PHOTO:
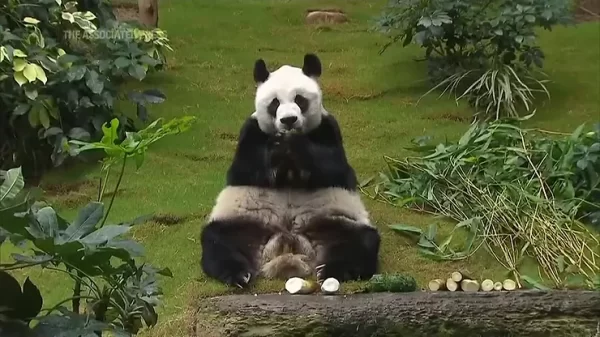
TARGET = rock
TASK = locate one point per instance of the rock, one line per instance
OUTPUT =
(325, 16)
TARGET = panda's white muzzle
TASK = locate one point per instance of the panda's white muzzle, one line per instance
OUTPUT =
(289, 117)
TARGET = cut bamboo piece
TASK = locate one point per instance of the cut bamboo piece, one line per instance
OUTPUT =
(487, 285)
(460, 275)
(451, 285)
(456, 276)
(330, 286)
(469, 285)
(509, 284)
(296, 285)
(437, 284)
(498, 286)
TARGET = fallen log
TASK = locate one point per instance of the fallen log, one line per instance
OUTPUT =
(417, 314)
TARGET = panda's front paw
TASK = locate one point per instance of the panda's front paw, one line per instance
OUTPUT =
(341, 270)
(278, 150)
(299, 148)
(232, 272)
(240, 279)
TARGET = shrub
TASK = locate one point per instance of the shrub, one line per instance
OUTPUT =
(117, 292)
(518, 192)
(60, 67)
(484, 51)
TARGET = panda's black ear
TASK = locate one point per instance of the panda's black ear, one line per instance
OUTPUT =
(261, 73)
(312, 65)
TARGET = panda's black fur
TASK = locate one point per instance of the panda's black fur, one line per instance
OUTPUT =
(291, 205)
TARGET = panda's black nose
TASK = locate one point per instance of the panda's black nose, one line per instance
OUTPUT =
(289, 121)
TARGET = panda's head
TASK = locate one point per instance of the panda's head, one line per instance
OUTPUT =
(288, 99)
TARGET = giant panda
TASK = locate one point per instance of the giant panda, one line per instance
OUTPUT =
(290, 207)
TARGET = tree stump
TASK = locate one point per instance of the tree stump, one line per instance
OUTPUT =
(418, 314)
(148, 12)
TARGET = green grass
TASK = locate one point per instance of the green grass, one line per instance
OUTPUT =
(373, 96)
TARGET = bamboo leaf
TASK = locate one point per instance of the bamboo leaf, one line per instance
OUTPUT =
(12, 184)
(406, 229)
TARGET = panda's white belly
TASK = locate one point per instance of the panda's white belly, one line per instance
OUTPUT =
(291, 209)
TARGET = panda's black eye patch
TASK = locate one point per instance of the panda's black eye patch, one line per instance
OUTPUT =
(272, 108)
(302, 103)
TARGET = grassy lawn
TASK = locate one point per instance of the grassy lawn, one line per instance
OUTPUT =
(373, 96)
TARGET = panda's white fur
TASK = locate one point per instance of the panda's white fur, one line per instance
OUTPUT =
(287, 212)
(284, 84)
(294, 207)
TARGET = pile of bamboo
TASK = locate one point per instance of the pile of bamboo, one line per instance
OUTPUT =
(459, 281)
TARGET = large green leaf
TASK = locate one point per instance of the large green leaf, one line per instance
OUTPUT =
(69, 324)
(85, 222)
(149, 314)
(111, 133)
(3, 235)
(32, 259)
(137, 71)
(19, 304)
(12, 184)
(48, 222)
(94, 82)
(11, 291)
(133, 248)
(12, 223)
(31, 301)
(104, 234)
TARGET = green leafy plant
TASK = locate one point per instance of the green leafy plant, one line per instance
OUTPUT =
(483, 51)
(498, 91)
(61, 64)
(520, 193)
(118, 293)
(428, 240)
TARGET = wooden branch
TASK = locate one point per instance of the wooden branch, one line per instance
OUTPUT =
(417, 314)
(589, 11)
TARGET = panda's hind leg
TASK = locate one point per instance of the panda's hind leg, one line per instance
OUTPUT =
(287, 255)
(230, 250)
(346, 249)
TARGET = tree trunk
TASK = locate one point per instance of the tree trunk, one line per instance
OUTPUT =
(148, 12)
(418, 314)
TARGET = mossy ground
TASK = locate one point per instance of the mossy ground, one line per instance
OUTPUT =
(376, 98)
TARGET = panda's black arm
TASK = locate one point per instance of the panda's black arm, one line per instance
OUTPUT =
(322, 154)
(328, 167)
(249, 166)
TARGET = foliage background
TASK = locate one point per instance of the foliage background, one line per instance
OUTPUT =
(61, 64)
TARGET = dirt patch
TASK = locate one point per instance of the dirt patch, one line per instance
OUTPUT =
(73, 200)
(228, 136)
(587, 10)
(203, 158)
(75, 194)
(66, 188)
(169, 219)
(341, 89)
(449, 117)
